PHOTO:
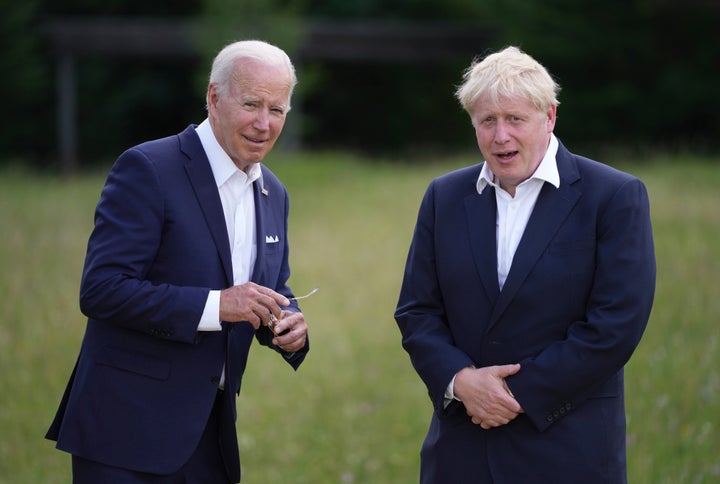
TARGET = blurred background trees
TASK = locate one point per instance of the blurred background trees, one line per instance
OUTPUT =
(638, 74)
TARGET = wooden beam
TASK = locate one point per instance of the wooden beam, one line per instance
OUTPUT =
(323, 41)
(113, 36)
(387, 41)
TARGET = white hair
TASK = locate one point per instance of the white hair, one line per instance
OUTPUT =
(508, 74)
(224, 63)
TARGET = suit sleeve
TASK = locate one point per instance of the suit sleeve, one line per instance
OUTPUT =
(595, 349)
(420, 312)
(123, 247)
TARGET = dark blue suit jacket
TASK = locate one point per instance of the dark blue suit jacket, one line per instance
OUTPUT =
(146, 379)
(573, 309)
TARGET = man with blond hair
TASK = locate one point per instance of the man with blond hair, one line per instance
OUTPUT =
(187, 263)
(528, 285)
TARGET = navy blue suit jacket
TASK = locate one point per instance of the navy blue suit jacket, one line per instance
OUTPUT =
(146, 379)
(572, 310)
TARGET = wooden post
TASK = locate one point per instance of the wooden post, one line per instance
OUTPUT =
(66, 93)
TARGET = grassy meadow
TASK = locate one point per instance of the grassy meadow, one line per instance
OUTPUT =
(356, 412)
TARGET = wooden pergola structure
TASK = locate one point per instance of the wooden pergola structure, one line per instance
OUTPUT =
(347, 41)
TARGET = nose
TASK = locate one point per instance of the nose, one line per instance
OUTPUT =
(262, 120)
(501, 133)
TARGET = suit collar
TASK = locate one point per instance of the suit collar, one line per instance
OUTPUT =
(546, 171)
(222, 166)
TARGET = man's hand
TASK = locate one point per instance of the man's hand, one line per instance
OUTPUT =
(486, 396)
(252, 303)
(291, 331)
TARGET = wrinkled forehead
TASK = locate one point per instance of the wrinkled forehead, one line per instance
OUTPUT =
(251, 75)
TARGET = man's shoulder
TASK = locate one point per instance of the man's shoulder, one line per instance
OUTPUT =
(166, 152)
(187, 138)
(596, 171)
(466, 176)
(589, 169)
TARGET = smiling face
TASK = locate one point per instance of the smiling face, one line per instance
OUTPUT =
(513, 137)
(248, 117)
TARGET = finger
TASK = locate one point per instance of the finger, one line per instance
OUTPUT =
(277, 298)
(485, 424)
(289, 320)
(258, 297)
(285, 336)
(290, 346)
(506, 409)
(258, 320)
(269, 305)
(503, 371)
(262, 306)
(290, 340)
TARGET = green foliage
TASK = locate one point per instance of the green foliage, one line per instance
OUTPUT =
(120, 101)
(634, 73)
(123, 101)
(121, 7)
(128, 101)
(24, 83)
(380, 108)
(356, 412)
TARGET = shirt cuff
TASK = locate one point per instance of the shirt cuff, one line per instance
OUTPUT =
(210, 319)
(449, 393)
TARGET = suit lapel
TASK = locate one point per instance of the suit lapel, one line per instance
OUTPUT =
(203, 183)
(481, 221)
(551, 209)
(262, 199)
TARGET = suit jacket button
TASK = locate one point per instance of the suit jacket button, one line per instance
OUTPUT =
(549, 418)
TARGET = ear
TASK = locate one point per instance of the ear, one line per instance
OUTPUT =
(551, 118)
(212, 98)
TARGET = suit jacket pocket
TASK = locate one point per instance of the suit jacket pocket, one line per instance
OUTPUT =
(138, 363)
(273, 244)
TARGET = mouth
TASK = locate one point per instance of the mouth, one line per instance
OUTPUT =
(254, 140)
(506, 155)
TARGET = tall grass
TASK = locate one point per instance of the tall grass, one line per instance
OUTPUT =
(356, 412)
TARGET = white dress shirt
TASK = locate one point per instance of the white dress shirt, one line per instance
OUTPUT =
(236, 194)
(513, 214)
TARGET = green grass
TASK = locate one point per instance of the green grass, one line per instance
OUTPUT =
(356, 412)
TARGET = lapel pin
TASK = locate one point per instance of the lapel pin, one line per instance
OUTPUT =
(264, 191)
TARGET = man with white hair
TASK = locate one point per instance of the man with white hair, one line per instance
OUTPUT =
(187, 263)
(528, 285)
